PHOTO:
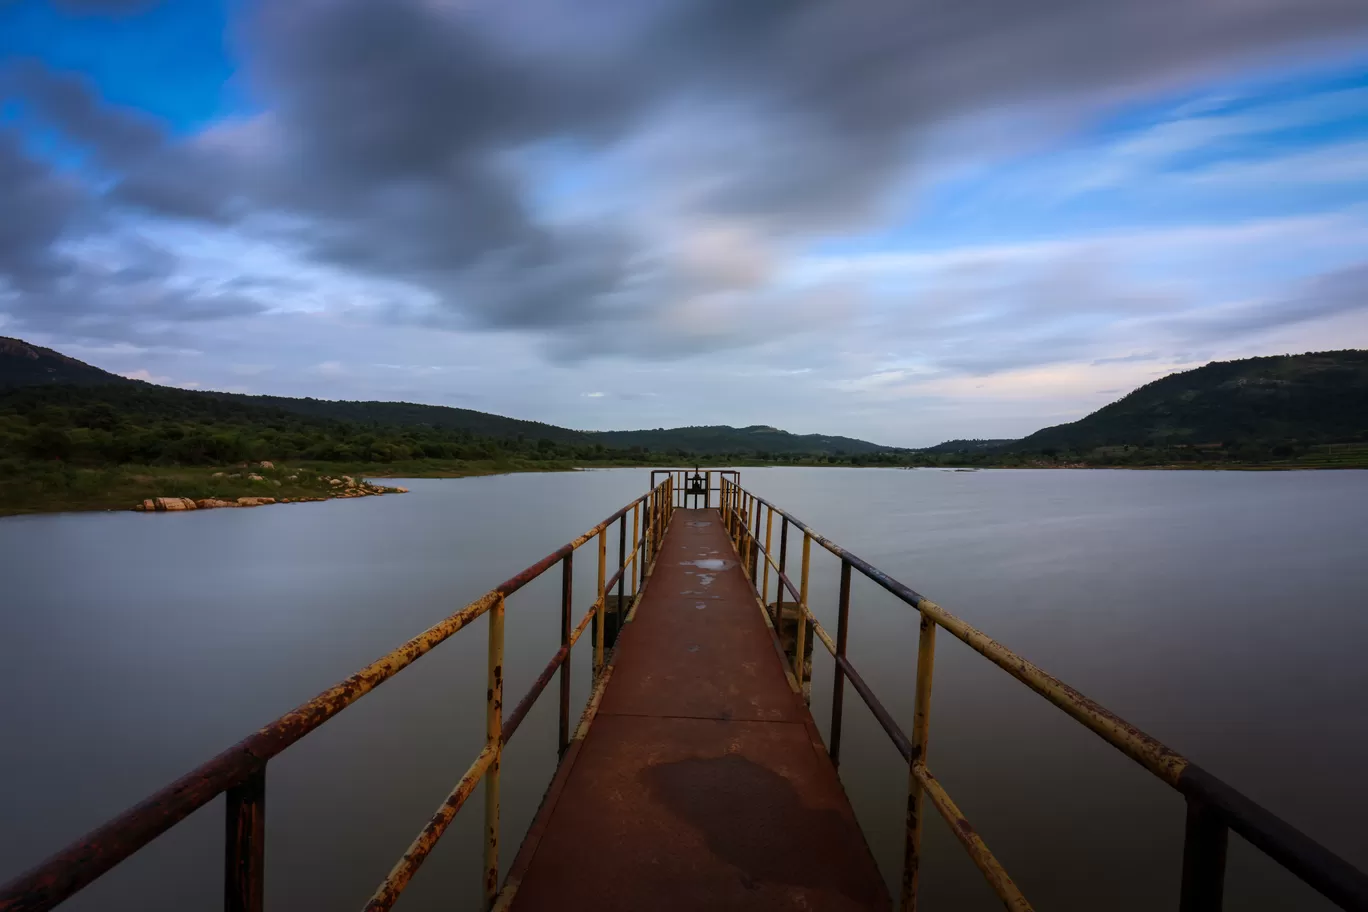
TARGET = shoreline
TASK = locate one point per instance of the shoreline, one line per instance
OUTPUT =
(141, 488)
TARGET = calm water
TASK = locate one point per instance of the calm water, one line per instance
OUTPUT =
(1222, 612)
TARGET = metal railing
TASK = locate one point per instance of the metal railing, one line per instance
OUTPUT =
(1213, 808)
(708, 481)
(240, 771)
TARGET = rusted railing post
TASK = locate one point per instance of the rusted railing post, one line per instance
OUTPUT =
(838, 678)
(567, 623)
(921, 721)
(636, 549)
(800, 634)
(244, 861)
(622, 570)
(493, 742)
(1204, 858)
(602, 600)
(783, 568)
(722, 494)
(769, 537)
(746, 540)
(707, 490)
(649, 520)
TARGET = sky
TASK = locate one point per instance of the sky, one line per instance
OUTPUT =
(900, 221)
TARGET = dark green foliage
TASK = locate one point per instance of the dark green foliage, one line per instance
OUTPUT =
(1255, 404)
(967, 446)
(142, 424)
(410, 414)
(716, 440)
(429, 431)
(22, 364)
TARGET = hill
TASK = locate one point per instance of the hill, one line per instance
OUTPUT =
(968, 446)
(409, 426)
(1308, 398)
(412, 414)
(719, 439)
(22, 364)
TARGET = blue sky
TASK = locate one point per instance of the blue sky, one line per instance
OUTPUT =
(900, 228)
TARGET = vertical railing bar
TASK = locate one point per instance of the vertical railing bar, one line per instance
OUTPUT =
(244, 861)
(921, 723)
(838, 678)
(567, 623)
(800, 634)
(602, 600)
(493, 741)
(636, 545)
(783, 571)
(622, 574)
(642, 545)
(746, 540)
(1204, 858)
(769, 538)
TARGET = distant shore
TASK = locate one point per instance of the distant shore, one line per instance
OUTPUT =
(58, 488)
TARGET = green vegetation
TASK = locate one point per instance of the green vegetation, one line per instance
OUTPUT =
(69, 440)
(22, 364)
(1246, 408)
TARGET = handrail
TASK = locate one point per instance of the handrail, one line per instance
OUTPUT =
(240, 770)
(1213, 807)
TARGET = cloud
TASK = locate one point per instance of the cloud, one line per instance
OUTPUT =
(38, 205)
(1343, 291)
(391, 136)
(662, 186)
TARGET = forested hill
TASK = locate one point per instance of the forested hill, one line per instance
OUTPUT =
(720, 439)
(412, 414)
(1309, 398)
(22, 364)
(968, 446)
(195, 422)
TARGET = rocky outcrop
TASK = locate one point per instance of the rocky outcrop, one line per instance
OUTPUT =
(343, 486)
(166, 505)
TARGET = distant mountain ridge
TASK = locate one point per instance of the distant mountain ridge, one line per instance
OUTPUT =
(968, 446)
(23, 364)
(1311, 397)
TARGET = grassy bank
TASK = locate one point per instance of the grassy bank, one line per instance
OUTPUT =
(54, 487)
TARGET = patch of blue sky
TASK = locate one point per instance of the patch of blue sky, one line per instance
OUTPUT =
(170, 60)
(1227, 153)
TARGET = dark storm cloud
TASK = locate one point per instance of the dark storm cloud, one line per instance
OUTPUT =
(391, 128)
(119, 138)
(36, 207)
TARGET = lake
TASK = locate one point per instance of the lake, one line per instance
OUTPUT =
(1222, 612)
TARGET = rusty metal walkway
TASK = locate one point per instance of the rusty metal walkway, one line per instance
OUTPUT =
(702, 782)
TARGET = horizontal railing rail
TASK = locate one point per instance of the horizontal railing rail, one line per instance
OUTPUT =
(240, 771)
(1213, 808)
